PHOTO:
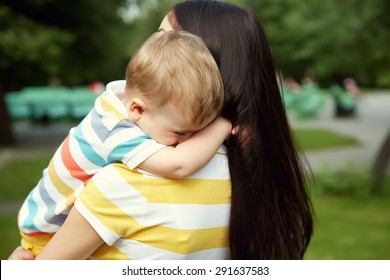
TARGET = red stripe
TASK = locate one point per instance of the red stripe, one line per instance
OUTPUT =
(75, 170)
(34, 234)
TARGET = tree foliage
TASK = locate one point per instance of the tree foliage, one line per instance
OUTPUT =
(335, 38)
(76, 41)
(84, 40)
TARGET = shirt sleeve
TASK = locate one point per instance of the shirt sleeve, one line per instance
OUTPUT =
(111, 206)
(128, 144)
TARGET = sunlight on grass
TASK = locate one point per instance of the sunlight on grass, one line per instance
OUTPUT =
(316, 138)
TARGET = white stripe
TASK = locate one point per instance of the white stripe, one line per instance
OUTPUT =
(116, 94)
(56, 195)
(63, 172)
(23, 213)
(93, 139)
(140, 251)
(142, 152)
(39, 219)
(187, 216)
(79, 157)
(115, 188)
(115, 87)
(106, 118)
(216, 169)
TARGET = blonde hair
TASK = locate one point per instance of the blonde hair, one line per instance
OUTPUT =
(176, 67)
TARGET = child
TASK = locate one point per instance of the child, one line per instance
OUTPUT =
(173, 89)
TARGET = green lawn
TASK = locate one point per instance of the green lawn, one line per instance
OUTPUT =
(350, 227)
(9, 234)
(317, 138)
(18, 177)
(351, 223)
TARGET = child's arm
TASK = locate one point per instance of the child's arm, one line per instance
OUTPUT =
(75, 240)
(191, 155)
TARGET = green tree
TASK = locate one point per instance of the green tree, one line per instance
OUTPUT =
(335, 38)
(76, 41)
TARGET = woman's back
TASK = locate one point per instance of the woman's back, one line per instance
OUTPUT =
(147, 217)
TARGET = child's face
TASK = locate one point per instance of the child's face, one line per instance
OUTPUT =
(168, 125)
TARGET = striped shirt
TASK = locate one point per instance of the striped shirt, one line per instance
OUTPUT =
(143, 216)
(104, 136)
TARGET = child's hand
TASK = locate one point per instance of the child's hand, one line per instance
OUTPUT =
(20, 254)
(224, 124)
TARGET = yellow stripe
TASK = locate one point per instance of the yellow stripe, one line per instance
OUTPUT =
(186, 191)
(60, 185)
(106, 252)
(112, 216)
(108, 107)
(183, 241)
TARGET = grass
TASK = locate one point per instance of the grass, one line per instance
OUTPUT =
(351, 228)
(18, 177)
(317, 138)
(9, 234)
(351, 223)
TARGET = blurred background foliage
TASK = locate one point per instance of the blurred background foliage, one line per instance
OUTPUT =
(82, 41)
(86, 40)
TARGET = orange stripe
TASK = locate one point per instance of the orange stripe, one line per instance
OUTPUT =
(75, 170)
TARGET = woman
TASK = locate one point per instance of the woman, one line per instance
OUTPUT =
(271, 212)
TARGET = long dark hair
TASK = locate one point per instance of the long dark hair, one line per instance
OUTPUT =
(271, 212)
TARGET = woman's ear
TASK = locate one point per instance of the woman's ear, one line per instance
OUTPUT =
(136, 108)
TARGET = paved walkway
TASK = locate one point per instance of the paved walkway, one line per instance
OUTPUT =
(369, 127)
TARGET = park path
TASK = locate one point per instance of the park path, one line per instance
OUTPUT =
(370, 127)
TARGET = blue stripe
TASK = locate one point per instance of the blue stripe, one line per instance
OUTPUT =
(122, 125)
(122, 149)
(97, 125)
(32, 212)
(87, 149)
(50, 216)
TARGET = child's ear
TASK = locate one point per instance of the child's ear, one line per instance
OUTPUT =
(136, 108)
